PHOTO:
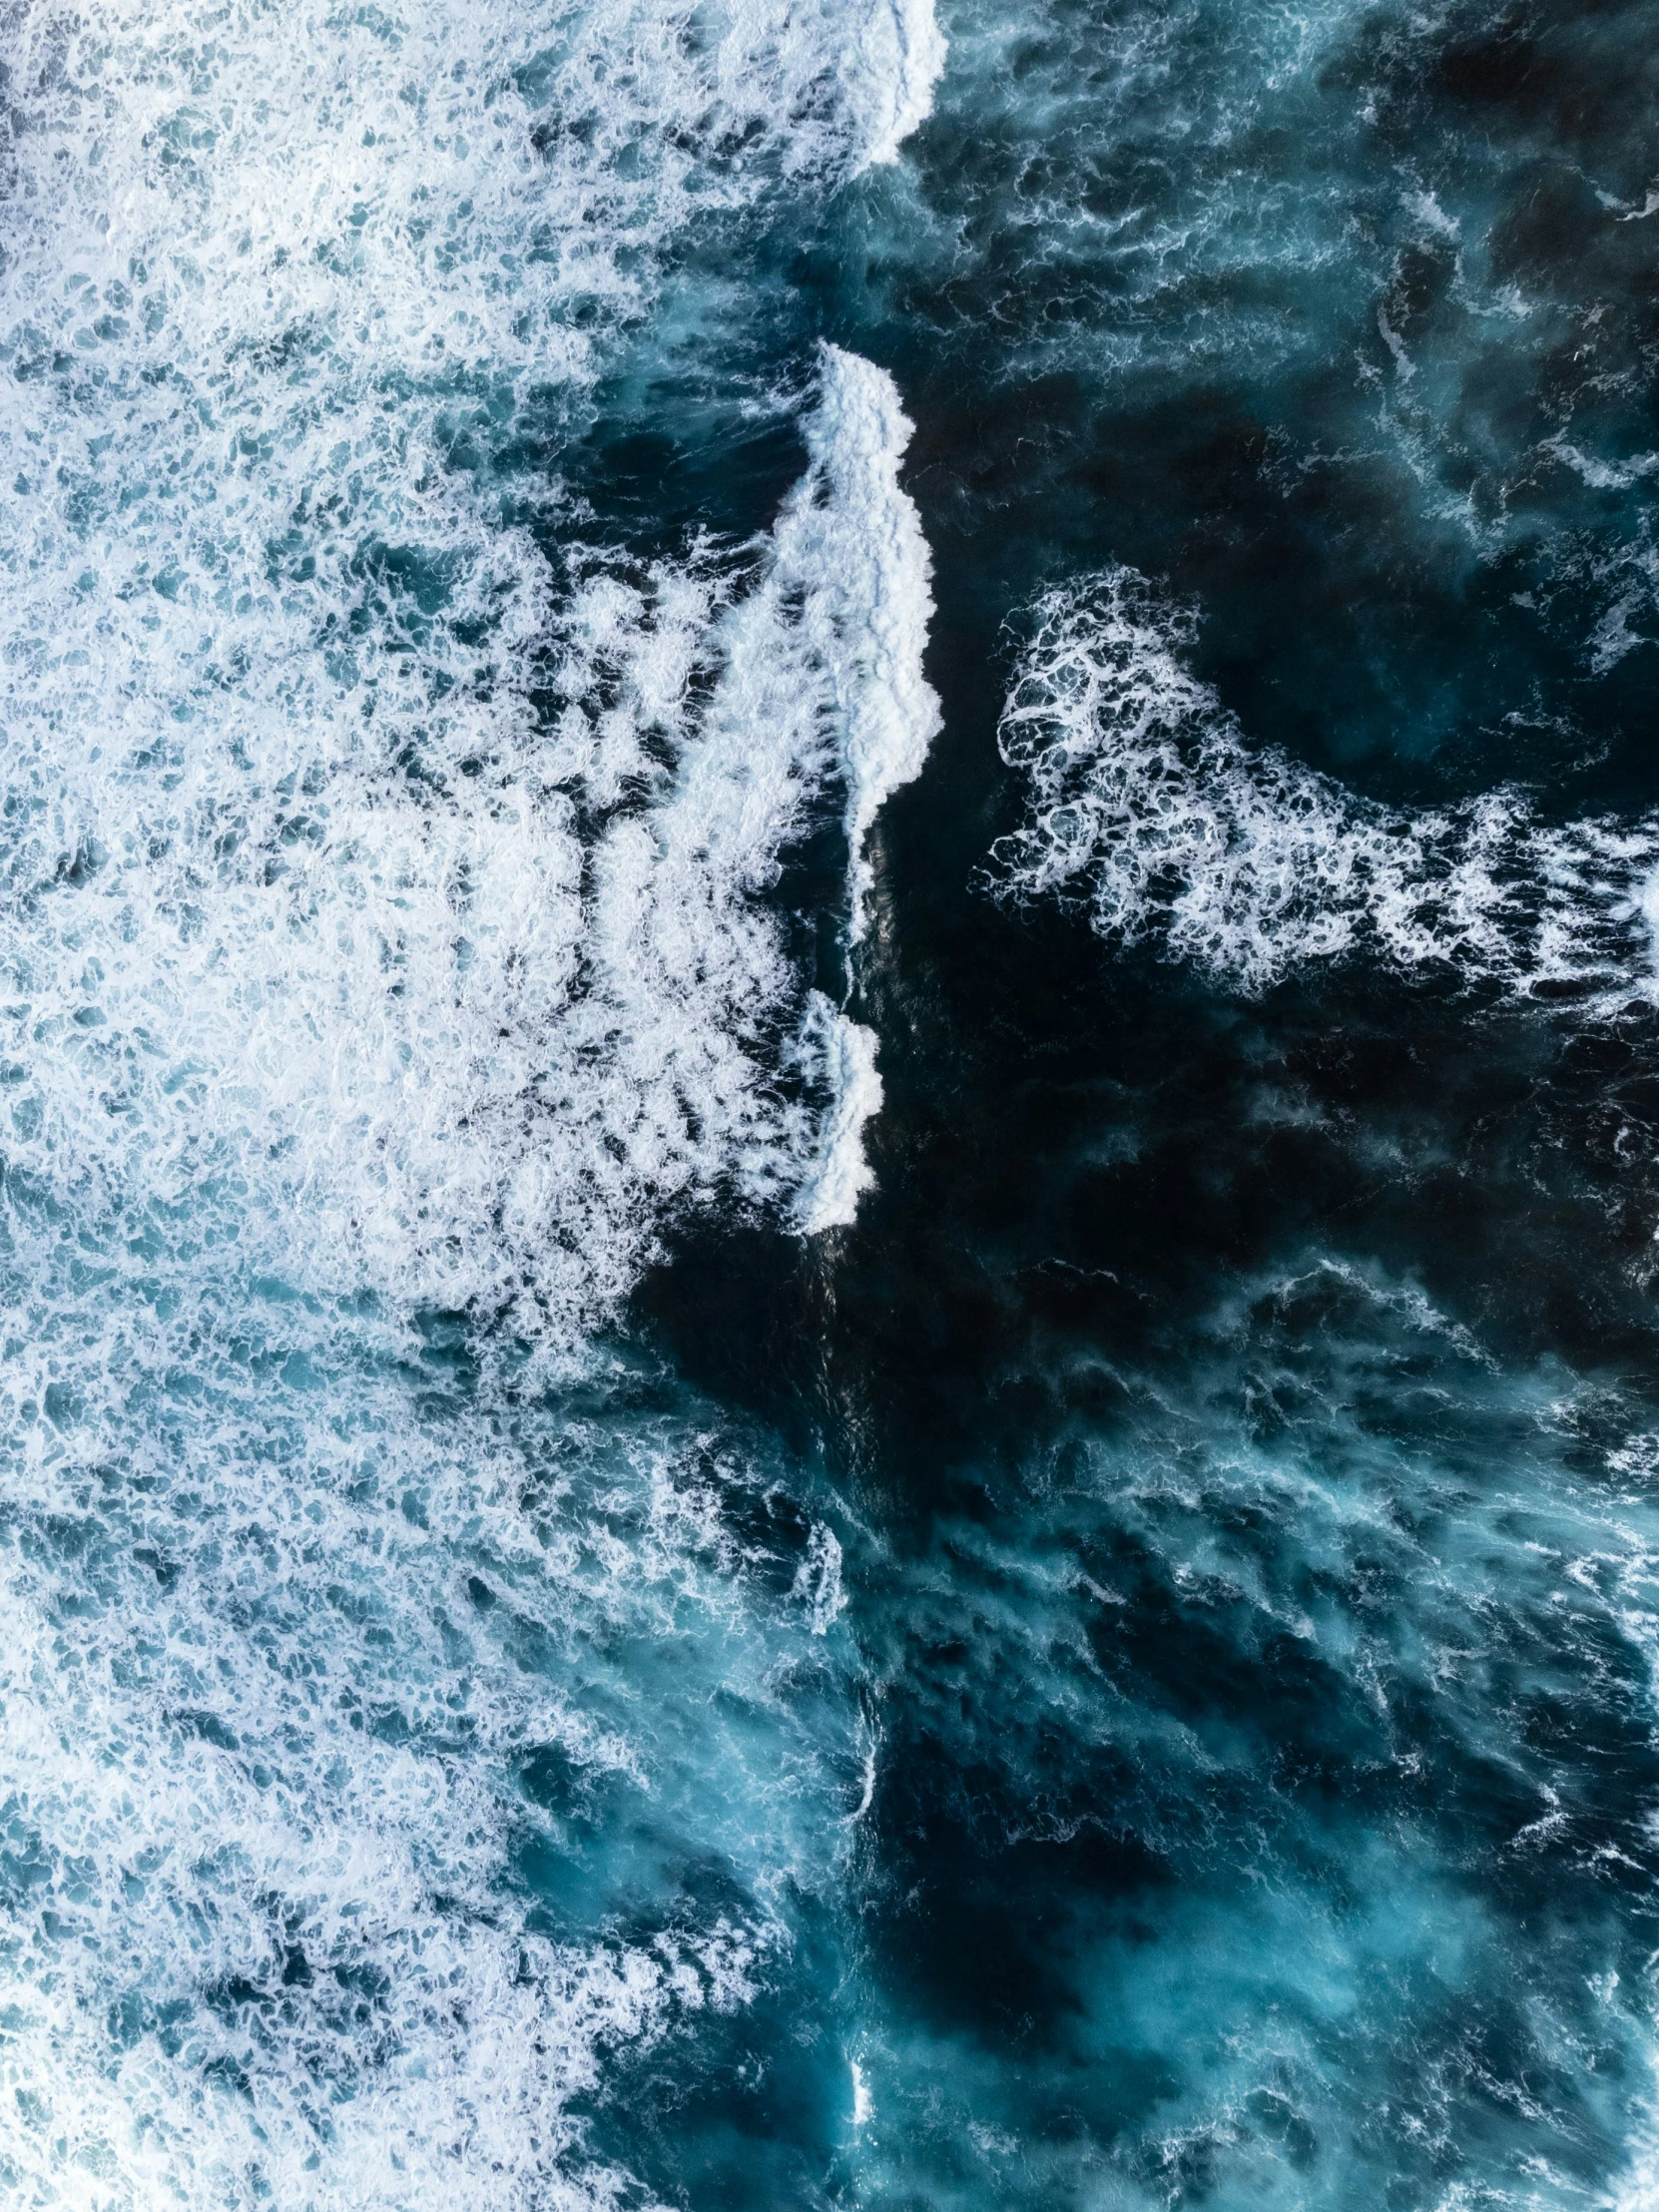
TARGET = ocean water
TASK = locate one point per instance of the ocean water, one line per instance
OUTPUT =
(828, 1106)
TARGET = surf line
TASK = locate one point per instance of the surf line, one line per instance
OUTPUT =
(850, 539)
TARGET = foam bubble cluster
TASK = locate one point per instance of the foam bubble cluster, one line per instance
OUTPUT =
(1148, 806)
(352, 1740)
(383, 882)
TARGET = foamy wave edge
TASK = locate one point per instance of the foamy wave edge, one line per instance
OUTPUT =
(1147, 807)
(470, 1040)
(331, 1038)
(862, 551)
(314, 923)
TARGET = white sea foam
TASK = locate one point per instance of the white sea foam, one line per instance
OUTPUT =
(1148, 806)
(824, 679)
(381, 938)
(427, 190)
(317, 927)
(841, 1174)
(852, 541)
(850, 546)
(863, 2104)
(895, 56)
(818, 1579)
(281, 1644)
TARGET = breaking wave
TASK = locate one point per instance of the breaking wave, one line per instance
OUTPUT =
(397, 1749)
(1147, 807)
(397, 906)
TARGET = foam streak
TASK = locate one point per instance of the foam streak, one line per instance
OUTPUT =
(1147, 807)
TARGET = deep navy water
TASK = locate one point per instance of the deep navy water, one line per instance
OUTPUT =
(829, 1106)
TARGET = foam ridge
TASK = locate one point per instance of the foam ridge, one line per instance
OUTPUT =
(841, 1174)
(851, 543)
(379, 881)
(1147, 807)
(399, 1750)
(860, 531)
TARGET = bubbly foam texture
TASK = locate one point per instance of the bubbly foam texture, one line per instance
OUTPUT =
(384, 958)
(894, 57)
(430, 190)
(1148, 806)
(830, 1196)
(857, 549)
(304, 1680)
(824, 684)
(381, 890)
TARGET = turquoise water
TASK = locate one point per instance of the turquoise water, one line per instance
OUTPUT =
(828, 1127)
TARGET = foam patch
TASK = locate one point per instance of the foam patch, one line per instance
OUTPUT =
(1147, 807)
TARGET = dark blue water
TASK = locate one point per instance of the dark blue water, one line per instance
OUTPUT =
(831, 1137)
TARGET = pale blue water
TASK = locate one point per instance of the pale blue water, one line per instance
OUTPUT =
(829, 1120)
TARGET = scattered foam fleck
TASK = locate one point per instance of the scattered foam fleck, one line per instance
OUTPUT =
(306, 1674)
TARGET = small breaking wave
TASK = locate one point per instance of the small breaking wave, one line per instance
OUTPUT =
(841, 1174)
(1147, 807)
(857, 546)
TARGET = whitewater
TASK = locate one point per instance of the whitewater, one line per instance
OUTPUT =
(391, 966)
(1147, 807)
(828, 1107)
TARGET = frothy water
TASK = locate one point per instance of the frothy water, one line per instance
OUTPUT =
(1148, 806)
(692, 1517)
(1225, 1731)
(396, 1754)
(403, 928)
(356, 1821)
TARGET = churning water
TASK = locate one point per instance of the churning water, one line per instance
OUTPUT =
(828, 1106)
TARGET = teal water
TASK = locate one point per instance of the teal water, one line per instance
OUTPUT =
(829, 1131)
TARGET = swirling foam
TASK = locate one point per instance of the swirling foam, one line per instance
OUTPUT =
(346, 1730)
(382, 888)
(1148, 806)
(387, 957)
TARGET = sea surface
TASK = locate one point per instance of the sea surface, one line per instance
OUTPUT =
(829, 1106)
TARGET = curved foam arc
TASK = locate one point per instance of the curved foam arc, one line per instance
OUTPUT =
(855, 542)
(851, 541)
(1147, 806)
(822, 675)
